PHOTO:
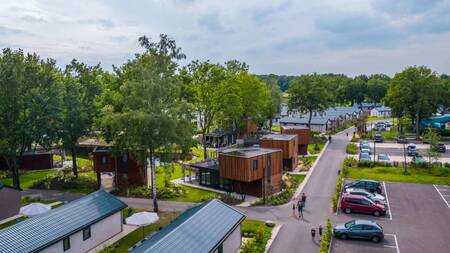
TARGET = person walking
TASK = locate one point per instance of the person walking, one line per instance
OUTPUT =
(300, 210)
(293, 208)
(313, 233)
(320, 231)
(303, 199)
(329, 138)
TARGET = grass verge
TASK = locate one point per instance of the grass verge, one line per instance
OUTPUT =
(257, 233)
(351, 149)
(27, 179)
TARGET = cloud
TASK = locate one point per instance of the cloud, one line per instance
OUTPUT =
(104, 23)
(10, 31)
(405, 7)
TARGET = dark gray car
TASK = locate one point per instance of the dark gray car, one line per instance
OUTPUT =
(359, 229)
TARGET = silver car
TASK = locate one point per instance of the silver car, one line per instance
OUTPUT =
(377, 198)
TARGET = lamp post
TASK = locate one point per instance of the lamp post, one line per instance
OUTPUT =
(374, 150)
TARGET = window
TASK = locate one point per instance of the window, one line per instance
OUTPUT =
(255, 165)
(356, 228)
(269, 169)
(104, 159)
(86, 233)
(368, 227)
(66, 243)
(365, 202)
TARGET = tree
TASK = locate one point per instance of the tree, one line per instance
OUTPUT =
(80, 88)
(356, 90)
(204, 83)
(309, 94)
(28, 105)
(414, 92)
(274, 106)
(147, 113)
(432, 138)
(376, 89)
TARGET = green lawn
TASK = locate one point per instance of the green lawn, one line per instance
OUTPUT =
(194, 195)
(313, 150)
(387, 135)
(259, 233)
(134, 237)
(276, 129)
(374, 118)
(391, 174)
(27, 179)
(82, 161)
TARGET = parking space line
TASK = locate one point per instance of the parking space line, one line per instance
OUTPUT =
(387, 200)
(396, 243)
(446, 202)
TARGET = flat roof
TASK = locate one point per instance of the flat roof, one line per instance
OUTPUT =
(293, 127)
(248, 152)
(212, 164)
(37, 233)
(199, 229)
(279, 137)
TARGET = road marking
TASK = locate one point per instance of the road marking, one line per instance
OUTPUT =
(446, 202)
(387, 200)
(396, 243)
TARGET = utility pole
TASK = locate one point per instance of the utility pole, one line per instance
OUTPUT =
(404, 156)
(374, 150)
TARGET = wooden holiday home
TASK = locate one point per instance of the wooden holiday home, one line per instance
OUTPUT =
(303, 137)
(287, 143)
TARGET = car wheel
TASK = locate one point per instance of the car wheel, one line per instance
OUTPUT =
(378, 191)
(377, 213)
(347, 210)
(344, 236)
(376, 239)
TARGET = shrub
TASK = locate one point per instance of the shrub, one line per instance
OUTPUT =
(4, 174)
(337, 193)
(65, 180)
(350, 162)
(258, 242)
(167, 192)
(351, 149)
(291, 182)
(325, 241)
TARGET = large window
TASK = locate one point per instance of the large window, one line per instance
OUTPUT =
(255, 165)
(66, 243)
(86, 233)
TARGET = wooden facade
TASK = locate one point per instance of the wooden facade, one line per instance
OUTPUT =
(252, 171)
(287, 143)
(128, 171)
(32, 161)
(303, 136)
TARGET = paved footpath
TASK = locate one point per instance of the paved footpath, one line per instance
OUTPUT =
(295, 235)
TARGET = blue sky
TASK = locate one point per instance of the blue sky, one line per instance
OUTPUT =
(281, 37)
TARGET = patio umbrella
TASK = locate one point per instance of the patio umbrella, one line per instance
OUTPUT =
(34, 209)
(142, 219)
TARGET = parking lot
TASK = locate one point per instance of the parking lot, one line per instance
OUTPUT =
(418, 220)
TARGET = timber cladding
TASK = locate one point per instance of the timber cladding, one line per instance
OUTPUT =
(288, 144)
(248, 169)
(304, 134)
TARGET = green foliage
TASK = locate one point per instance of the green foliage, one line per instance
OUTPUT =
(431, 137)
(169, 191)
(27, 179)
(291, 184)
(337, 193)
(325, 240)
(28, 105)
(276, 129)
(309, 94)
(64, 180)
(259, 234)
(351, 149)
(306, 162)
(416, 92)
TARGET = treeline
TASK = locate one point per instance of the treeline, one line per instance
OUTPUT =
(146, 105)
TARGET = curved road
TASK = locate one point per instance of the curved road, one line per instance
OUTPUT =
(295, 235)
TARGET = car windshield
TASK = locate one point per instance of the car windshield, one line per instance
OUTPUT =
(349, 224)
(383, 157)
(365, 155)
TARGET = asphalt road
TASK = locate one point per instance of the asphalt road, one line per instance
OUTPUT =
(295, 234)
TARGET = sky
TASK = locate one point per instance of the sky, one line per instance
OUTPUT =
(281, 37)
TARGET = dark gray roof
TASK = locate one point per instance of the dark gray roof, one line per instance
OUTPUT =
(382, 109)
(220, 132)
(248, 152)
(212, 164)
(37, 233)
(200, 229)
(294, 127)
(297, 120)
(281, 137)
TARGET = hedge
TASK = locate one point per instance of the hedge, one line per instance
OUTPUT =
(325, 240)
(351, 149)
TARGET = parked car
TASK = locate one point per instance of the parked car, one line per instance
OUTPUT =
(365, 148)
(441, 148)
(418, 158)
(370, 185)
(360, 204)
(363, 156)
(359, 229)
(388, 123)
(378, 137)
(380, 126)
(402, 139)
(411, 149)
(383, 158)
(363, 142)
(377, 198)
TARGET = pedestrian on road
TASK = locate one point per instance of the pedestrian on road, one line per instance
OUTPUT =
(304, 200)
(313, 233)
(320, 231)
(347, 134)
(300, 210)
(293, 208)
(329, 138)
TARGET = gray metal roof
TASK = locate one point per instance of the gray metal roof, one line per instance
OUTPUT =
(281, 137)
(200, 229)
(37, 233)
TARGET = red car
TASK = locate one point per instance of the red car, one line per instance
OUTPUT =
(360, 204)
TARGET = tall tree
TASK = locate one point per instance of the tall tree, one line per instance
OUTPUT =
(356, 90)
(80, 88)
(377, 88)
(146, 113)
(274, 105)
(204, 83)
(431, 137)
(28, 105)
(414, 91)
(309, 94)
